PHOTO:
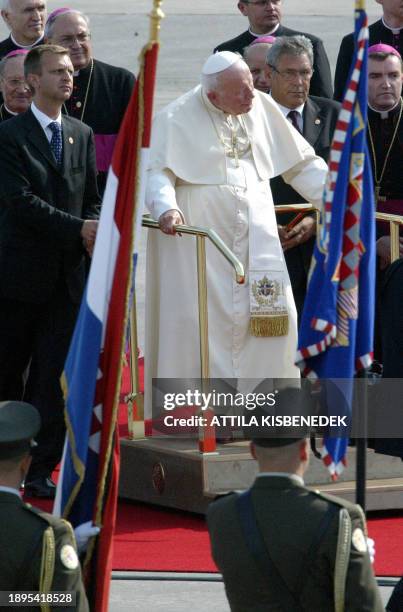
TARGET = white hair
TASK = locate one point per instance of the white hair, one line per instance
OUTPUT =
(52, 20)
(5, 5)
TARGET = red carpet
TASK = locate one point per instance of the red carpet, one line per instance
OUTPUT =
(149, 538)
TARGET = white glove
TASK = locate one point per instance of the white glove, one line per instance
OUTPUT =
(371, 549)
(83, 533)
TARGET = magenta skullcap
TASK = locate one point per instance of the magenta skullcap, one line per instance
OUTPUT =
(269, 40)
(16, 52)
(382, 48)
(60, 11)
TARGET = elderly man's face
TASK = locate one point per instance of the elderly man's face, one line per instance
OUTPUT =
(71, 32)
(290, 80)
(263, 15)
(392, 8)
(384, 82)
(26, 19)
(234, 93)
(16, 93)
(255, 57)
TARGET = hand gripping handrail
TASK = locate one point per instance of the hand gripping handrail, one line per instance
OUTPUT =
(207, 442)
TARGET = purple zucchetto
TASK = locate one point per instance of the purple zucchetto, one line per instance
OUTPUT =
(382, 48)
(16, 52)
(268, 40)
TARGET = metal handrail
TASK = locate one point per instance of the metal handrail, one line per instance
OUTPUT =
(207, 441)
(213, 237)
(394, 222)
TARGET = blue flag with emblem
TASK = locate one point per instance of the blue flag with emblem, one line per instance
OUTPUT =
(336, 333)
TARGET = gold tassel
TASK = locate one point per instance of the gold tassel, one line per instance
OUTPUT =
(47, 564)
(269, 326)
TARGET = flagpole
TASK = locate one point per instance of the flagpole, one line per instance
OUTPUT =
(362, 407)
(136, 397)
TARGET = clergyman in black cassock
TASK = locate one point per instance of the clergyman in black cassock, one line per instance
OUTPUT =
(101, 92)
(264, 22)
(26, 20)
(379, 32)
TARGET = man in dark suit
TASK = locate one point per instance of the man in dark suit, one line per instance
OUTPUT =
(264, 18)
(38, 551)
(388, 30)
(281, 546)
(290, 62)
(25, 20)
(48, 211)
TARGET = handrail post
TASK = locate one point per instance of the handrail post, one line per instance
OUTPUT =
(207, 440)
(134, 399)
(394, 241)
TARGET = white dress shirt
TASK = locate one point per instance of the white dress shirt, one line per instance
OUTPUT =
(44, 120)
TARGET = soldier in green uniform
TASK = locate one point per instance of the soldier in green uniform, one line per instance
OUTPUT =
(283, 547)
(37, 551)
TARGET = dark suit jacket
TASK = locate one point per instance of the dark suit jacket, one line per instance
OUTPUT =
(377, 33)
(288, 515)
(321, 83)
(42, 208)
(320, 118)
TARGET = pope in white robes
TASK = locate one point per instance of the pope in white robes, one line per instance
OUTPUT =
(213, 152)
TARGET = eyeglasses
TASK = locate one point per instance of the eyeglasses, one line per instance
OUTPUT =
(68, 41)
(261, 3)
(291, 75)
(15, 83)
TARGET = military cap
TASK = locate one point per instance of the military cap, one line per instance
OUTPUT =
(289, 402)
(19, 424)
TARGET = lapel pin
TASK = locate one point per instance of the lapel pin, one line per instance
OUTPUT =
(317, 121)
(71, 140)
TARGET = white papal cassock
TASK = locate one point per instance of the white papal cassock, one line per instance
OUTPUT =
(215, 169)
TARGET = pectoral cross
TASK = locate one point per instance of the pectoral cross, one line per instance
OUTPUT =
(378, 197)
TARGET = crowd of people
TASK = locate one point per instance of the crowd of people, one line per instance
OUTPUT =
(254, 134)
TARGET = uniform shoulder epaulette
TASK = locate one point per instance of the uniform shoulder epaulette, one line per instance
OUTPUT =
(339, 501)
(53, 521)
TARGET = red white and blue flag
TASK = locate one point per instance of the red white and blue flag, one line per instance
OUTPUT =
(336, 333)
(88, 483)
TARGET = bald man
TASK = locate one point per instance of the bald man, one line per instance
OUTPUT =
(26, 21)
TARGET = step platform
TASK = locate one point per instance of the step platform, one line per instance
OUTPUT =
(174, 474)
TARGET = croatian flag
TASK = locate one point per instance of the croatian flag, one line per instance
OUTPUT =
(336, 334)
(88, 484)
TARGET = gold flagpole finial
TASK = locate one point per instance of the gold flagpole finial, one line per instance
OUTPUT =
(155, 16)
(360, 5)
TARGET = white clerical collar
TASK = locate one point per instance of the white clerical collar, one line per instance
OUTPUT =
(294, 477)
(384, 113)
(394, 30)
(10, 490)
(266, 33)
(26, 46)
(43, 119)
(10, 112)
